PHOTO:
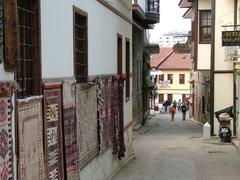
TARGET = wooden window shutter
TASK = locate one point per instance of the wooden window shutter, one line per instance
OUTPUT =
(10, 35)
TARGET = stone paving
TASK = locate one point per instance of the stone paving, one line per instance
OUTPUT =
(175, 150)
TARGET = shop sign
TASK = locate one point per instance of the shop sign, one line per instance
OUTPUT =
(230, 38)
(165, 84)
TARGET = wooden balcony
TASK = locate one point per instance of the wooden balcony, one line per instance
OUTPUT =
(152, 11)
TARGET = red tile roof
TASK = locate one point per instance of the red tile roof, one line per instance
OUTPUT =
(169, 60)
(156, 59)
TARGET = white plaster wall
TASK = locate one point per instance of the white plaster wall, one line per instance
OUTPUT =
(57, 37)
(124, 6)
(204, 4)
(223, 94)
(224, 16)
(105, 166)
(4, 76)
(204, 55)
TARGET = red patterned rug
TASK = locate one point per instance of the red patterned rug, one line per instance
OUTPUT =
(70, 125)
(53, 145)
(6, 151)
(105, 113)
(30, 137)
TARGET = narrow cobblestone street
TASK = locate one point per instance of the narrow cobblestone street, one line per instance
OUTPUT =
(175, 150)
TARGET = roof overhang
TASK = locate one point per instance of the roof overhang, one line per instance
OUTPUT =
(152, 48)
(185, 4)
(188, 14)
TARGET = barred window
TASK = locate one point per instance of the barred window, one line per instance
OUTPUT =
(28, 69)
(80, 46)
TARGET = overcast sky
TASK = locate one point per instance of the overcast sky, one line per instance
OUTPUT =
(170, 19)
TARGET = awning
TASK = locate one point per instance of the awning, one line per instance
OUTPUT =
(192, 81)
(155, 72)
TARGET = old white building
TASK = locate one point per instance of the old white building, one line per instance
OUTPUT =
(67, 40)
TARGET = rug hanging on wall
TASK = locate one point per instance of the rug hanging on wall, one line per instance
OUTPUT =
(53, 145)
(87, 123)
(6, 146)
(119, 148)
(105, 113)
(70, 125)
(1, 32)
(30, 137)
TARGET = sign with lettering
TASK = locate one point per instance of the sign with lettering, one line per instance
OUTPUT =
(230, 38)
(165, 84)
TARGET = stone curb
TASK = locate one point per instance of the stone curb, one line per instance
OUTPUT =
(236, 144)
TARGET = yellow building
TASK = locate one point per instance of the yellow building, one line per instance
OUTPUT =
(173, 75)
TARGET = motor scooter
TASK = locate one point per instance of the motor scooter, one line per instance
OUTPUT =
(225, 117)
(225, 132)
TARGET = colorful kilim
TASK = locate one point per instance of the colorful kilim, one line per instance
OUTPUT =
(87, 123)
(70, 125)
(118, 127)
(6, 152)
(1, 32)
(30, 133)
(105, 113)
(53, 132)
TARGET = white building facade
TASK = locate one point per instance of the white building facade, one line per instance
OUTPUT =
(104, 47)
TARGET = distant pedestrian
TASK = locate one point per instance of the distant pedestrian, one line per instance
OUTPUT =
(172, 111)
(179, 105)
(165, 106)
(175, 103)
(184, 110)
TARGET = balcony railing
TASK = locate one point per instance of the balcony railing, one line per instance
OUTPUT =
(152, 6)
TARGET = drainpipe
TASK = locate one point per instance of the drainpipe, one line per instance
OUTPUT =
(212, 64)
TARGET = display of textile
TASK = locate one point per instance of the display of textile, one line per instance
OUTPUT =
(53, 145)
(70, 125)
(86, 102)
(118, 127)
(1, 31)
(30, 137)
(6, 148)
(105, 112)
(11, 35)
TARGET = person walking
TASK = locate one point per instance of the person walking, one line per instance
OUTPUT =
(184, 111)
(175, 103)
(172, 111)
(179, 105)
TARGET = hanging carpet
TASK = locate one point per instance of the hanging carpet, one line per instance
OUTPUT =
(53, 145)
(6, 140)
(105, 112)
(70, 126)
(118, 127)
(86, 102)
(30, 137)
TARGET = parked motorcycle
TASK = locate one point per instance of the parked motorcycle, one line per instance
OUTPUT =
(224, 117)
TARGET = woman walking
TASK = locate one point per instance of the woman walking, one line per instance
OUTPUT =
(184, 110)
(172, 111)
